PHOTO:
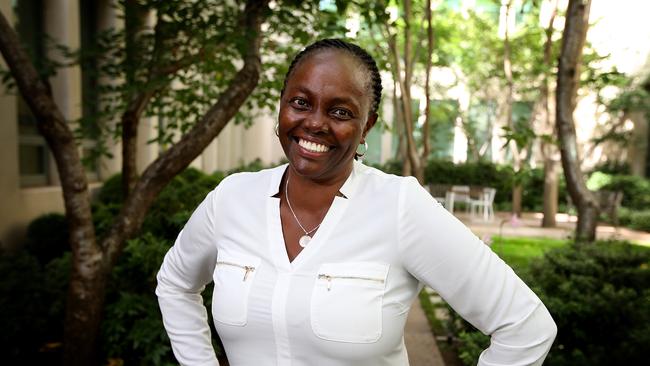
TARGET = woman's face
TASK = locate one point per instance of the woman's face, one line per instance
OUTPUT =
(325, 114)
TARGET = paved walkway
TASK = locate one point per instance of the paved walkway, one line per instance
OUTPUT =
(420, 344)
(530, 225)
(419, 339)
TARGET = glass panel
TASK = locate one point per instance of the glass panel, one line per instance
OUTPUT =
(443, 119)
(26, 120)
(373, 155)
(90, 163)
(89, 67)
(521, 112)
(488, 7)
(481, 118)
(29, 26)
(32, 160)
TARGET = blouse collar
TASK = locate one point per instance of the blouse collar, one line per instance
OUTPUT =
(348, 188)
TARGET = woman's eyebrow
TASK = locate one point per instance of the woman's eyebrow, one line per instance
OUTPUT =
(304, 90)
(345, 100)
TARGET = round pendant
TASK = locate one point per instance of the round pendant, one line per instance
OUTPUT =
(304, 240)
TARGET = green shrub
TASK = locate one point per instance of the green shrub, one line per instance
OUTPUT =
(638, 220)
(533, 190)
(169, 212)
(472, 344)
(254, 166)
(111, 191)
(31, 307)
(47, 237)
(636, 190)
(613, 168)
(174, 205)
(392, 166)
(477, 174)
(597, 180)
(132, 328)
(599, 296)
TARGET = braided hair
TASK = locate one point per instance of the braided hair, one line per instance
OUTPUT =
(353, 50)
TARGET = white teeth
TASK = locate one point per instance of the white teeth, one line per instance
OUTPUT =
(312, 146)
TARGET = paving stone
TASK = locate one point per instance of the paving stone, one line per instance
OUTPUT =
(420, 342)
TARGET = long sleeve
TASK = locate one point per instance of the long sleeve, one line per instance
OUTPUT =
(185, 271)
(441, 252)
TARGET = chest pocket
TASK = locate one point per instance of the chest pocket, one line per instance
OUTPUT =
(346, 303)
(233, 277)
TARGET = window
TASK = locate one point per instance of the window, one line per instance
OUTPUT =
(398, 126)
(443, 116)
(373, 138)
(481, 118)
(89, 87)
(33, 153)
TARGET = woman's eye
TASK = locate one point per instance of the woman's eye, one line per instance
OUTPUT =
(342, 113)
(299, 103)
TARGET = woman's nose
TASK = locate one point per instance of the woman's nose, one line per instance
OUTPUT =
(316, 122)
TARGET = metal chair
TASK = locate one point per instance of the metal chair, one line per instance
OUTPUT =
(458, 194)
(439, 192)
(484, 202)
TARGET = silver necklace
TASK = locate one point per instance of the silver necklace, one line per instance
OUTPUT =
(305, 239)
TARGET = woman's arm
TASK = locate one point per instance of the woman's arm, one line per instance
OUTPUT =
(187, 268)
(441, 252)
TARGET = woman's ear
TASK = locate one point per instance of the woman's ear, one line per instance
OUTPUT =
(372, 119)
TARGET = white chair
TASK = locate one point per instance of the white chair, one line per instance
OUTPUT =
(458, 194)
(438, 191)
(485, 202)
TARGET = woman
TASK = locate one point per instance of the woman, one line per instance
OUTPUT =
(317, 262)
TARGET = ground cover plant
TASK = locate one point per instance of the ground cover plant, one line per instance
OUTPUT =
(598, 294)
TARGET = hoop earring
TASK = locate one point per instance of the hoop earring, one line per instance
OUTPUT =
(365, 150)
(277, 129)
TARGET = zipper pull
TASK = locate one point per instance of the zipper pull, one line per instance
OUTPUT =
(247, 270)
(328, 278)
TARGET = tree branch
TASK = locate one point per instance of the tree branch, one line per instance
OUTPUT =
(174, 160)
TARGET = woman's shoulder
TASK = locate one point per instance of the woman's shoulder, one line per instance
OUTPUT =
(379, 176)
(249, 182)
(376, 179)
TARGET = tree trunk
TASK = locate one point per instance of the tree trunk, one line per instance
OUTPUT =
(416, 166)
(517, 193)
(550, 193)
(549, 150)
(129, 153)
(427, 87)
(92, 263)
(133, 23)
(573, 39)
(510, 86)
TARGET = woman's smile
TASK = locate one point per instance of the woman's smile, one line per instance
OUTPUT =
(313, 147)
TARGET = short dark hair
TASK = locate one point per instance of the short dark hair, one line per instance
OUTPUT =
(352, 49)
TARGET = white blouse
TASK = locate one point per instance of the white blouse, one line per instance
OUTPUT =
(345, 298)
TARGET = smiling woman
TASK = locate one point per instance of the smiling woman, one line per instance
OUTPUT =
(318, 261)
